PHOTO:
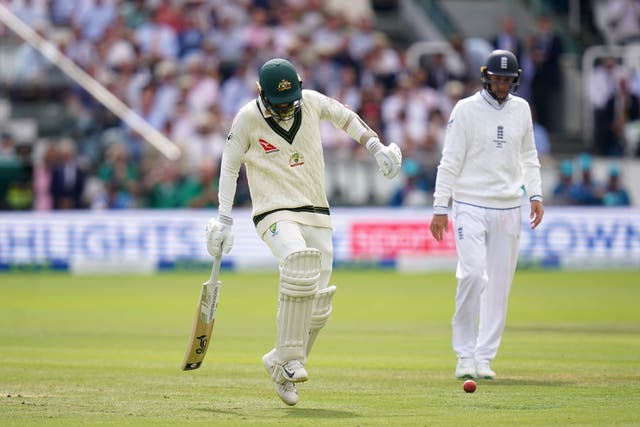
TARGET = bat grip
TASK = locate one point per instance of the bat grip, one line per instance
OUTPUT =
(215, 270)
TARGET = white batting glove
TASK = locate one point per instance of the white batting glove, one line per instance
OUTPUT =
(219, 236)
(389, 158)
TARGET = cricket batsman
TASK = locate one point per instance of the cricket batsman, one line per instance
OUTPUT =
(277, 137)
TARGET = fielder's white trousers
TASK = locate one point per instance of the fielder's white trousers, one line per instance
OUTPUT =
(286, 237)
(488, 242)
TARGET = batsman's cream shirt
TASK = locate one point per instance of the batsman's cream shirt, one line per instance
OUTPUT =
(489, 154)
(284, 162)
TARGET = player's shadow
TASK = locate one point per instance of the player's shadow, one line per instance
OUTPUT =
(530, 382)
(319, 413)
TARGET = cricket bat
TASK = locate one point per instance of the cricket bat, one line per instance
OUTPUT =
(203, 321)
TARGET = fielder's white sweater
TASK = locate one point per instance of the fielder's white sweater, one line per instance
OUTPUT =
(489, 153)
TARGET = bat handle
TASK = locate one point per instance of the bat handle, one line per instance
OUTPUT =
(215, 270)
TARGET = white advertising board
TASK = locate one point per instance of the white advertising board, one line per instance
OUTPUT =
(149, 240)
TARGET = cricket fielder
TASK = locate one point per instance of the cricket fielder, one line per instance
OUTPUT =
(277, 137)
(488, 155)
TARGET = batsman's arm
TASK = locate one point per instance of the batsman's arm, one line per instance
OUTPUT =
(234, 149)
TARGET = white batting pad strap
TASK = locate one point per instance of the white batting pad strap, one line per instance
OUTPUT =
(322, 307)
(299, 275)
(319, 315)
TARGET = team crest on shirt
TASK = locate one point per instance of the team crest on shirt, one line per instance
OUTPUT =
(268, 147)
(296, 159)
(499, 137)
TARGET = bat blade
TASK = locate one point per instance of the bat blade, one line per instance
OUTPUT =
(203, 321)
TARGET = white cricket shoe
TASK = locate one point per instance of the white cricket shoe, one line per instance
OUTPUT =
(484, 370)
(466, 369)
(269, 361)
(293, 370)
(286, 390)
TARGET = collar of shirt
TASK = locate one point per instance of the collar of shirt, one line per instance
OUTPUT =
(492, 101)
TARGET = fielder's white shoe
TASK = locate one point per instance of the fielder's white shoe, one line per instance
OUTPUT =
(484, 371)
(466, 369)
(286, 390)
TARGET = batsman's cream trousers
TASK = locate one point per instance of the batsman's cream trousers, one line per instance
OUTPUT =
(286, 237)
(488, 242)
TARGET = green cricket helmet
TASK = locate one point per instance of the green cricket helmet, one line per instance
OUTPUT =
(280, 88)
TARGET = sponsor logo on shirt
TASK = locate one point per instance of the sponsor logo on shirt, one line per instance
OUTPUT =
(268, 147)
(296, 159)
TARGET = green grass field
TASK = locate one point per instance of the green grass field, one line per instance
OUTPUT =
(106, 351)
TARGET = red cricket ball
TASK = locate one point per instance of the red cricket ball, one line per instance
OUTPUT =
(469, 386)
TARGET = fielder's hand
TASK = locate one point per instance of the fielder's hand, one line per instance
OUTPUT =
(219, 236)
(537, 211)
(389, 158)
(439, 226)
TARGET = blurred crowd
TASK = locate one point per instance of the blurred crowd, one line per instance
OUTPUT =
(578, 186)
(187, 66)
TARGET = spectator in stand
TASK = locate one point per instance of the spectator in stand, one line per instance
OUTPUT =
(562, 192)
(192, 35)
(541, 137)
(547, 82)
(413, 191)
(7, 147)
(586, 192)
(168, 92)
(623, 20)
(620, 110)
(45, 156)
(155, 39)
(135, 13)
(438, 71)
(163, 186)
(614, 192)
(362, 38)
(601, 89)
(507, 38)
(206, 142)
(237, 89)
(67, 178)
(31, 12)
(95, 17)
(30, 65)
(120, 177)
(200, 189)
(228, 37)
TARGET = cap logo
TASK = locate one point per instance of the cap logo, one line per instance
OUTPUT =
(504, 63)
(284, 85)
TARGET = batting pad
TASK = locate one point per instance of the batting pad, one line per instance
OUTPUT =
(319, 314)
(299, 275)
